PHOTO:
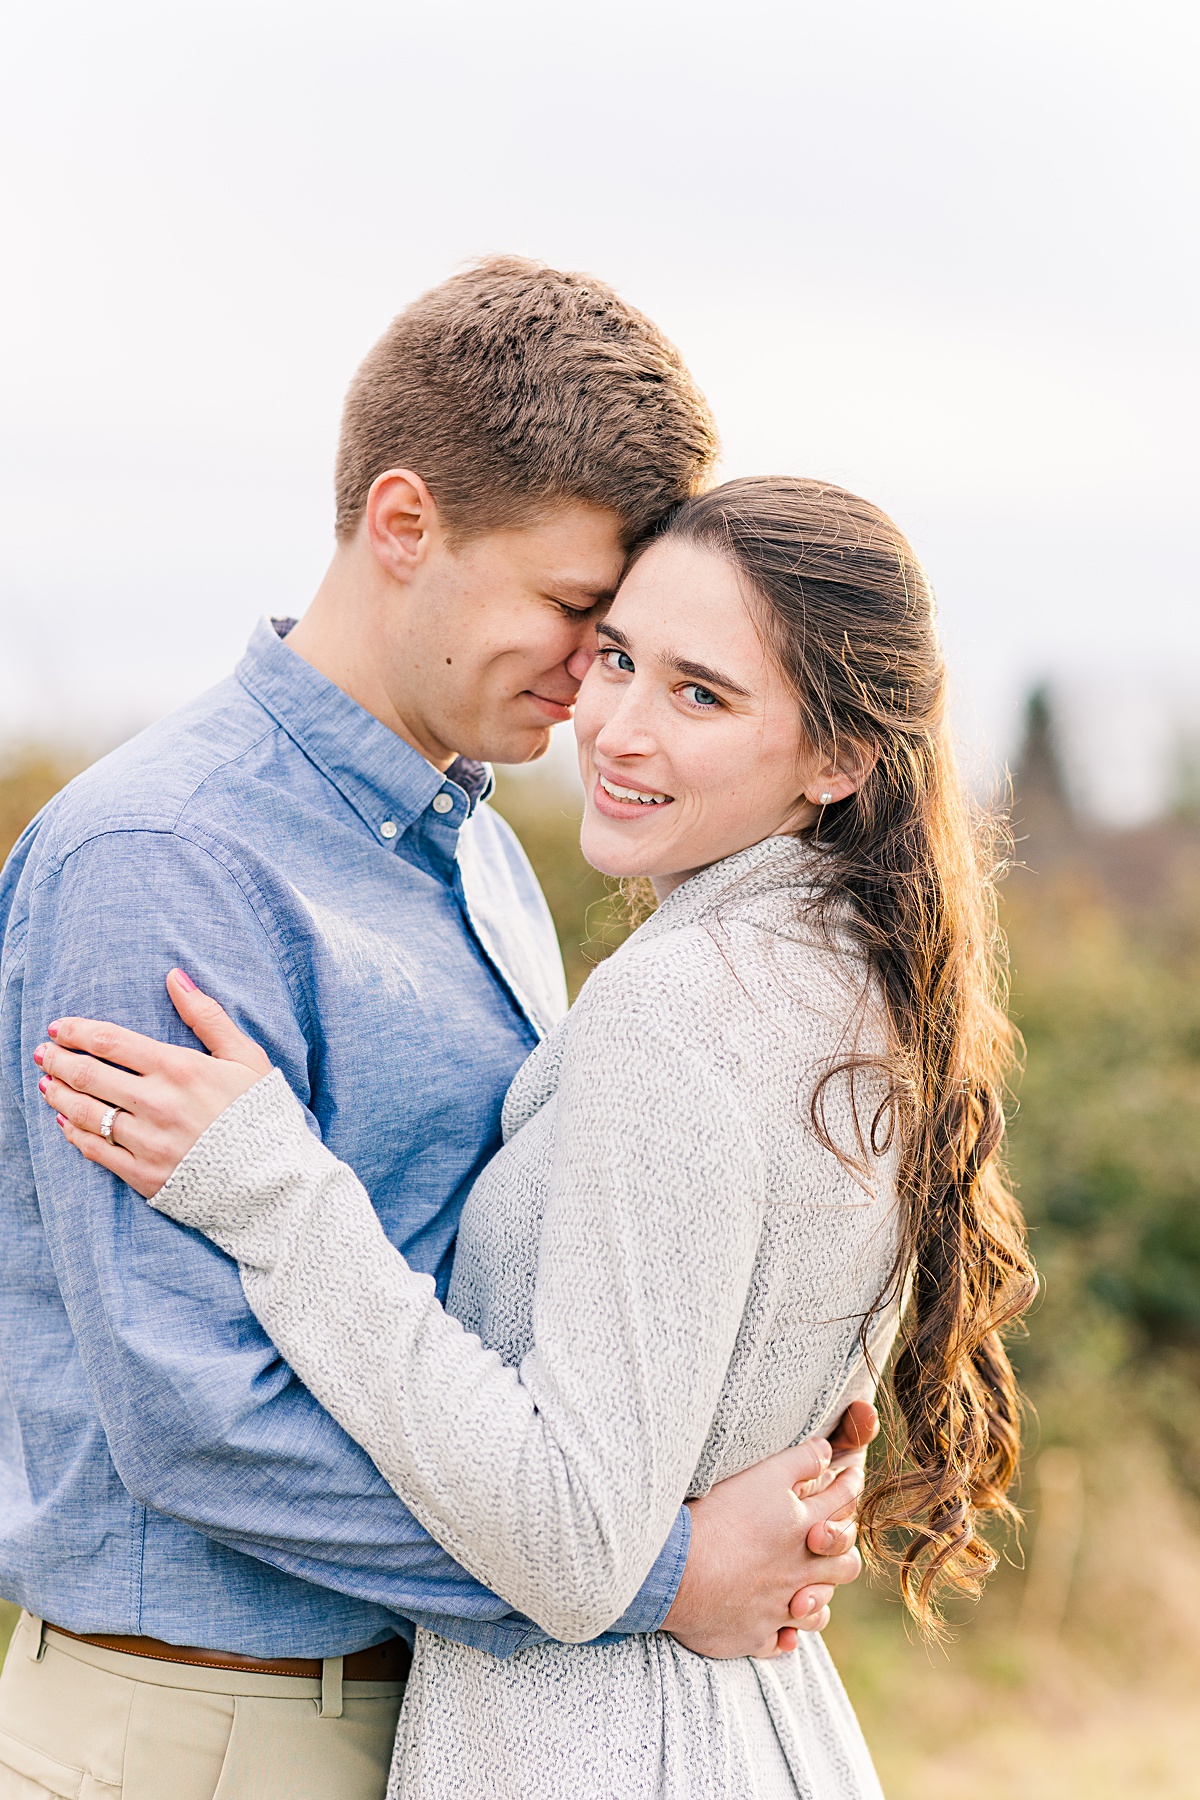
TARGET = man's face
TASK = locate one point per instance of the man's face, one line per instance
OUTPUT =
(497, 634)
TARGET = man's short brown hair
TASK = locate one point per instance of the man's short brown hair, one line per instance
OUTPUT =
(513, 387)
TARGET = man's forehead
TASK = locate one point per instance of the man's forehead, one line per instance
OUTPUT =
(579, 550)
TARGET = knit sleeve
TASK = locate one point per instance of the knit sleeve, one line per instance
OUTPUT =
(555, 1483)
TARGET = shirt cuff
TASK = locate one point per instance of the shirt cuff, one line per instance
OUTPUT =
(656, 1596)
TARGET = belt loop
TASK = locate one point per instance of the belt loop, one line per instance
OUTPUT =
(331, 1687)
(37, 1648)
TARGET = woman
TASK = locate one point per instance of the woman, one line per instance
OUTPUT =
(768, 1118)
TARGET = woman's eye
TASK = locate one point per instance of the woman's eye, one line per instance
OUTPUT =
(617, 659)
(700, 696)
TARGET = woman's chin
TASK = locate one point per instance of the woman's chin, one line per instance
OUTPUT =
(613, 858)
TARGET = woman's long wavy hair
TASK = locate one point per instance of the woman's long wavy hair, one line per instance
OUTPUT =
(848, 612)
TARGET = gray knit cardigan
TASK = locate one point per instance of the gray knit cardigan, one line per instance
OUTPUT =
(660, 1278)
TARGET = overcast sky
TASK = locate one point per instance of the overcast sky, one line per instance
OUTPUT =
(943, 252)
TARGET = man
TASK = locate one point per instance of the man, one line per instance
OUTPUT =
(218, 1586)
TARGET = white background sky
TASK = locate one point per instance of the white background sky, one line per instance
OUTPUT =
(941, 251)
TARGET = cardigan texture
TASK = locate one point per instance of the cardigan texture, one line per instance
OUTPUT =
(660, 1278)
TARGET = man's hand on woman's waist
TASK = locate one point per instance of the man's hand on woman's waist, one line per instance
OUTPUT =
(770, 1545)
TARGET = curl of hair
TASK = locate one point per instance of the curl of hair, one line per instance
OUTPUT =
(910, 871)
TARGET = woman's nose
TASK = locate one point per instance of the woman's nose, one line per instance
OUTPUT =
(626, 731)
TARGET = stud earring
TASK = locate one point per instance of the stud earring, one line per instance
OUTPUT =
(826, 798)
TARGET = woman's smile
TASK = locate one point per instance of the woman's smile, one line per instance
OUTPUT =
(621, 801)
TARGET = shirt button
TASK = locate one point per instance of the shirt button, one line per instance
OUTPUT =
(443, 803)
(389, 828)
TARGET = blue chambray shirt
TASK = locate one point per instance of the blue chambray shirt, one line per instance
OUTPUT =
(377, 928)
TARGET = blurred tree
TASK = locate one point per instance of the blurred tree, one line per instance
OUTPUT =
(1184, 791)
(1041, 803)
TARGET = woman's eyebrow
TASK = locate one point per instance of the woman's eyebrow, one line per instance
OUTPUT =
(705, 676)
(683, 665)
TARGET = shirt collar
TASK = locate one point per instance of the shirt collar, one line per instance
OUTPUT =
(386, 781)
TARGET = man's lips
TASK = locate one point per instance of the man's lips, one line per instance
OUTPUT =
(556, 710)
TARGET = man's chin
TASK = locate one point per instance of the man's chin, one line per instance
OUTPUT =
(523, 744)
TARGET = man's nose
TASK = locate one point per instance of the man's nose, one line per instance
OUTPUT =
(580, 661)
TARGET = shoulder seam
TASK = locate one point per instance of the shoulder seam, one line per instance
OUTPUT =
(211, 847)
(167, 819)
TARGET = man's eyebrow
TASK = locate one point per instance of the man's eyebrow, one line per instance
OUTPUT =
(693, 670)
(580, 591)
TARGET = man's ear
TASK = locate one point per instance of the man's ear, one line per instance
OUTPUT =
(402, 522)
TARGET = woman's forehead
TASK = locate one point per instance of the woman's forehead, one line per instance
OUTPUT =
(689, 602)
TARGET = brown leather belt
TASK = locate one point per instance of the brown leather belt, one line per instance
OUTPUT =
(389, 1661)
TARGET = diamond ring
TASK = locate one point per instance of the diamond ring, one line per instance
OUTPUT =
(106, 1122)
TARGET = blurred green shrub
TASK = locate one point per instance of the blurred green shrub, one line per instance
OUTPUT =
(1105, 1145)
(31, 774)
(590, 913)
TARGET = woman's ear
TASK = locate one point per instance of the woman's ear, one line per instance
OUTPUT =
(837, 780)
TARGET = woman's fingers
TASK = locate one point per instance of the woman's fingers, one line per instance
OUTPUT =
(110, 1156)
(99, 1037)
(79, 1109)
(817, 1622)
(832, 1537)
(213, 1025)
(68, 1069)
(857, 1427)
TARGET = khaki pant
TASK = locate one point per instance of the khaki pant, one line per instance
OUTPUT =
(90, 1724)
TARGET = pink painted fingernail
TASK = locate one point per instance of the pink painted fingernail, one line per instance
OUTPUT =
(186, 982)
(61, 1118)
(52, 1030)
(43, 1084)
(39, 1055)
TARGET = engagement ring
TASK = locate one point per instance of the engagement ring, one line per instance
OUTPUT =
(106, 1122)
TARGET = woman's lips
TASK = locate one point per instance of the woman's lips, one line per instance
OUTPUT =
(612, 806)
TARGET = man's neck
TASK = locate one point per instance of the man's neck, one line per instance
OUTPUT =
(340, 637)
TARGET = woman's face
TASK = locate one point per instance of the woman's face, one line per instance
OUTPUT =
(689, 737)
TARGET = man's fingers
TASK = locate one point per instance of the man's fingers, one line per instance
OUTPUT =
(213, 1025)
(810, 1600)
(801, 1464)
(836, 1571)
